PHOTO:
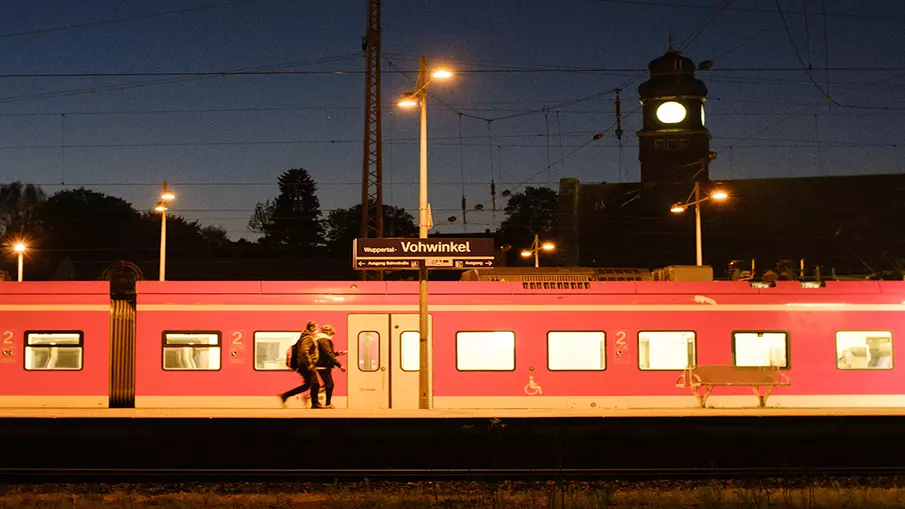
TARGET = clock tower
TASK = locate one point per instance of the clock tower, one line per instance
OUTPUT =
(674, 144)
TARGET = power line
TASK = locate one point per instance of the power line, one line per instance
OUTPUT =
(344, 72)
(664, 4)
(697, 32)
(165, 81)
(120, 19)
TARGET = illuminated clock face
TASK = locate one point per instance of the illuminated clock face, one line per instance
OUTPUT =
(702, 115)
(671, 112)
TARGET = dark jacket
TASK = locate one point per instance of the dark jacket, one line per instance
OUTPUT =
(326, 353)
(308, 351)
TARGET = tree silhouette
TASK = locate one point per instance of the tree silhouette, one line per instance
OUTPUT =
(215, 235)
(85, 225)
(261, 217)
(532, 211)
(344, 225)
(19, 208)
(292, 219)
(92, 230)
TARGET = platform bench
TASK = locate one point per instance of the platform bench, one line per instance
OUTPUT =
(702, 379)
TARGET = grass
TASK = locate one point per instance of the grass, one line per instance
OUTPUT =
(778, 493)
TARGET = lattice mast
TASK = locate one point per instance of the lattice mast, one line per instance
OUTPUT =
(372, 163)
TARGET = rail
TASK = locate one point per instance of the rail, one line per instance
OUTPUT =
(231, 475)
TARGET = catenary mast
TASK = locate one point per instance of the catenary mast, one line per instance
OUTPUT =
(372, 160)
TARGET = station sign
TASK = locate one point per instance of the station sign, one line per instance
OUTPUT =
(408, 253)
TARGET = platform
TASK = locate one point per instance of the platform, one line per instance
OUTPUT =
(535, 413)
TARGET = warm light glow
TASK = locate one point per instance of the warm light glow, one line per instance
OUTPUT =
(671, 112)
(408, 101)
(719, 195)
(441, 74)
(548, 246)
(20, 247)
(526, 254)
(677, 209)
(160, 207)
(167, 195)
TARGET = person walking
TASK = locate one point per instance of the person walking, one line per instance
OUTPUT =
(327, 361)
(306, 352)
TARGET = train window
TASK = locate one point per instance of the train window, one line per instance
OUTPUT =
(864, 349)
(270, 349)
(576, 351)
(485, 351)
(368, 351)
(666, 350)
(191, 351)
(53, 351)
(411, 350)
(753, 349)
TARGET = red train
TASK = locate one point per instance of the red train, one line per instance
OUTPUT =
(613, 344)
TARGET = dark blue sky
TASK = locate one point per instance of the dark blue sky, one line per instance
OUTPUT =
(222, 141)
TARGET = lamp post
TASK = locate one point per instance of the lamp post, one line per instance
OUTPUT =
(166, 195)
(678, 208)
(536, 248)
(409, 101)
(20, 248)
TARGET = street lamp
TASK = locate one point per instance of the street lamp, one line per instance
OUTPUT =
(678, 208)
(166, 195)
(20, 248)
(410, 101)
(536, 248)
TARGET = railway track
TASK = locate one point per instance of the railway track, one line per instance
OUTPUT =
(57, 475)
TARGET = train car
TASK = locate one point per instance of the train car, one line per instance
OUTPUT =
(593, 345)
(223, 344)
(55, 344)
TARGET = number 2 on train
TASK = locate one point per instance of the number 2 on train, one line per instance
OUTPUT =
(8, 349)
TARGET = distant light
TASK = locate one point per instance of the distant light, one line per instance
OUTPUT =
(408, 101)
(677, 209)
(526, 254)
(160, 207)
(20, 247)
(441, 74)
(719, 195)
(167, 195)
(548, 246)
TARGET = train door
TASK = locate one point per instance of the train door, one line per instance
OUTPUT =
(369, 346)
(383, 361)
(405, 354)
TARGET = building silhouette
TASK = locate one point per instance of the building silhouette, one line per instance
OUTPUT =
(842, 225)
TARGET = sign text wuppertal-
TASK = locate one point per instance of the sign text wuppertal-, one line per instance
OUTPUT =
(406, 253)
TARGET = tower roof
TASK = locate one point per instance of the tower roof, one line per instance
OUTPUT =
(672, 62)
(672, 74)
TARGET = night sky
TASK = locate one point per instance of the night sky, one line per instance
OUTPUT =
(222, 141)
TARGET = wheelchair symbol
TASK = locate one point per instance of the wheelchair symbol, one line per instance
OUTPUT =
(532, 388)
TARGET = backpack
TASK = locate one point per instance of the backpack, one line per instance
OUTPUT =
(292, 356)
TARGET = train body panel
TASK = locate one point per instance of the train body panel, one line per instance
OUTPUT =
(502, 345)
(54, 344)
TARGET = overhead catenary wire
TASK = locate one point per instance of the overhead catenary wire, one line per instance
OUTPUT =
(120, 19)
(889, 16)
(354, 72)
